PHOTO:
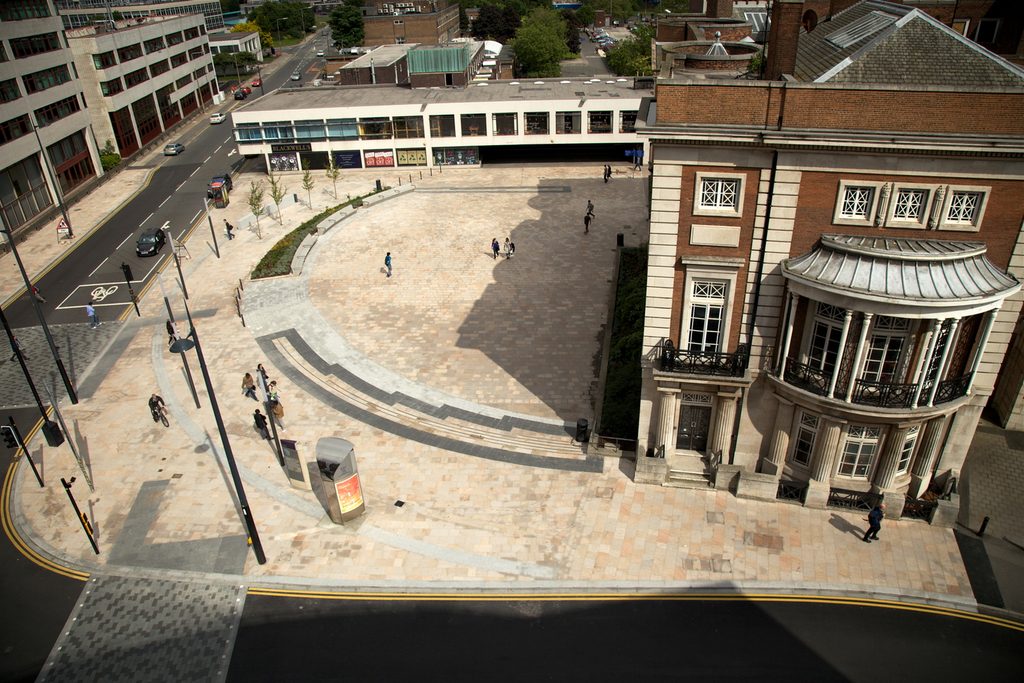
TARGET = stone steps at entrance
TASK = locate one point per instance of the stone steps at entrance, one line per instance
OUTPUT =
(687, 471)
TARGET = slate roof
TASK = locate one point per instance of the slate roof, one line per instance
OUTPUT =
(881, 42)
(885, 269)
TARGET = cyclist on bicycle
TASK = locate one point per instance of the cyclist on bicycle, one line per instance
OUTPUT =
(156, 407)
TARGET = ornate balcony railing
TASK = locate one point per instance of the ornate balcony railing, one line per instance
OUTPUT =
(884, 394)
(806, 377)
(791, 490)
(915, 508)
(852, 500)
(704, 362)
(951, 389)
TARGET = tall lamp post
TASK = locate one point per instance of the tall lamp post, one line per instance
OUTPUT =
(181, 346)
(279, 30)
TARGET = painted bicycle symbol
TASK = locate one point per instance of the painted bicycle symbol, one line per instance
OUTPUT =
(101, 293)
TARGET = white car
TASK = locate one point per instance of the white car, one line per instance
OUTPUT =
(319, 53)
(296, 76)
(218, 118)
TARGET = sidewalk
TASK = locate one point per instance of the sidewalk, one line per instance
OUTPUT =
(413, 369)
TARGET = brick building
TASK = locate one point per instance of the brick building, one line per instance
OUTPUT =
(428, 22)
(834, 264)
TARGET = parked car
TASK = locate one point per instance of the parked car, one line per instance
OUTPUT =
(256, 83)
(319, 53)
(240, 95)
(218, 118)
(223, 178)
(173, 149)
(247, 89)
(150, 242)
(296, 76)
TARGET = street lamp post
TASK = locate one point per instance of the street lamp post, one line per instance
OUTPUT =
(279, 30)
(181, 346)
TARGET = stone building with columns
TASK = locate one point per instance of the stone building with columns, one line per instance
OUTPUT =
(835, 265)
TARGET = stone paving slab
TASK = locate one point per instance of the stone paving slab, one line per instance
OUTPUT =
(519, 335)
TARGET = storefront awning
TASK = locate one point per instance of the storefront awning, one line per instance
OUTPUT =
(901, 271)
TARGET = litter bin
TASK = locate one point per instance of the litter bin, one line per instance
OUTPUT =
(339, 479)
(582, 430)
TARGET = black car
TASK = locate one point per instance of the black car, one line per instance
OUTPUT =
(150, 242)
(223, 178)
(241, 94)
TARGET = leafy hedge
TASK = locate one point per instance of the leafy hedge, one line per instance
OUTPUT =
(620, 414)
(278, 261)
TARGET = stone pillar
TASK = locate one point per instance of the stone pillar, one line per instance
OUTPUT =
(842, 352)
(772, 464)
(885, 475)
(944, 363)
(667, 408)
(794, 299)
(986, 330)
(858, 355)
(725, 416)
(826, 447)
(927, 452)
(922, 360)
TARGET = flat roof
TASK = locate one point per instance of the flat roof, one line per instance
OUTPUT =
(384, 55)
(230, 37)
(332, 96)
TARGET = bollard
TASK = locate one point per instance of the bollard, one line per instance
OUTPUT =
(399, 181)
(984, 525)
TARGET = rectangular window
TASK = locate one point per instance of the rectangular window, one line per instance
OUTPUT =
(277, 131)
(129, 52)
(442, 126)
(803, 445)
(179, 59)
(907, 452)
(191, 33)
(111, 87)
(34, 45)
(134, 78)
(342, 129)
(859, 451)
(23, 192)
(537, 123)
(376, 128)
(568, 123)
(909, 206)
(174, 38)
(627, 122)
(67, 149)
(9, 90)
(183, 81)
(52, 113)
(249, 132)
(47, 78)
(706, 319)
(18, 10)
(157, 68)
(104, 60)
(823, 353)
(473, 124)
(14, 129)
(408, 127)
(964, 207)
(599, 122)
(505, 124)
(719, 193)
(310, 130)
(154, 45)
(857, 203)
(987, 31)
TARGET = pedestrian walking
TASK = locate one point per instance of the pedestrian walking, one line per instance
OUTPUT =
(228, 228)
(607, 172)
(508, 248)
(874, 523)
(495, 248)
(172, 333)
(387, 263)
(590, 208)
(275, 403)
(37, 295)
(17, 348)
(263, 373)
(90, 311)
(511, 249)
(586, 222)
(260, 420)
(638, 162)
(249, 387)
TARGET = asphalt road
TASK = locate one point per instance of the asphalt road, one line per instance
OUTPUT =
(598, 640)
(36, 601)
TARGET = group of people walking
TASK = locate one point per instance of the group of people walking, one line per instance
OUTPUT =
(509, 248)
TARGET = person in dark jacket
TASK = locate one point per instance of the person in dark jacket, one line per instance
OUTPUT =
(260, 420)
(874, 523)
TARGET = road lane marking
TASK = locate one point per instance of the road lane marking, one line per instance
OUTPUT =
(198, 213)
(146, 219)
(159, 206)
(207, 159)
(232, 152)
(180, 186)
(101, 264)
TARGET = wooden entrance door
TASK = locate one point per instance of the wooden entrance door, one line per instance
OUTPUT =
(694, 423)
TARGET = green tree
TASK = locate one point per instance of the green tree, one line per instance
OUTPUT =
(307, 182)
(290, 18)
(463, 20)
(234, 64)
(109, 158)
(496, 23)
(248, 27)
(333, 172)
(586, 15)
(346, 26)
(573, 26)
(632, 57)
(255, 202)
(277, 193)
(540, 44)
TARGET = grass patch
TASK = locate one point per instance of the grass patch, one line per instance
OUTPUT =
(278, 261)
(620, 413)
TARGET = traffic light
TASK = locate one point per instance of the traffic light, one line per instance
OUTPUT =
(9, 437)
(127, 270)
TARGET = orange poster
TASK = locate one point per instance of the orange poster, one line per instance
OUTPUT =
(350, 495)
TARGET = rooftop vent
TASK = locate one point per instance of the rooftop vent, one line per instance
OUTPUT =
(865, 27)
